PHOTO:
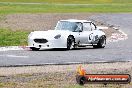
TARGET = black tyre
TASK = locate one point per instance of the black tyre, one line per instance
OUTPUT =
(101, 43)
(34, 49)
(70, 43)
(81, 80)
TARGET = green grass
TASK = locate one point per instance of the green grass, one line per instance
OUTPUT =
(1, 85)
(8, 85)
(71, 1)
(53, 8)
(60, 1)
(13, 38)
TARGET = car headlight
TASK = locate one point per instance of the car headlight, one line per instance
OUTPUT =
(57, 36)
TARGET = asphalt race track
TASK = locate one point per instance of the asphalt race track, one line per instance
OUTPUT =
(114, 51)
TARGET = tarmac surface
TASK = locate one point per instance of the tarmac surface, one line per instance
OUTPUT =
(114, 51)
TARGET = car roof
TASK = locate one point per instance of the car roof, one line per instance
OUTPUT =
(75, 20)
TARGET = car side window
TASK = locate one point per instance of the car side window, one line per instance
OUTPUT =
(86, 27)
(79, 27)
(93, 26)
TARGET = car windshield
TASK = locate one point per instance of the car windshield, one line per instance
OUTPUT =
(65, 25)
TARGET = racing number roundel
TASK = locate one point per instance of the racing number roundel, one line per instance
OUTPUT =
(91, 36)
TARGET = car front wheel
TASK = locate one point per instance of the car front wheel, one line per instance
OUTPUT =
(70, 43)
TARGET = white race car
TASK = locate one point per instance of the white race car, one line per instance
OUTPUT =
(68, 34)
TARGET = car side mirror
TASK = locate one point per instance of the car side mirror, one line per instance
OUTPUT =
(80, 30)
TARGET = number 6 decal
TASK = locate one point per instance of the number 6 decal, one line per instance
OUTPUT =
(91, 36)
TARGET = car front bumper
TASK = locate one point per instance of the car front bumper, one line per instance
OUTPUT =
(55, 43)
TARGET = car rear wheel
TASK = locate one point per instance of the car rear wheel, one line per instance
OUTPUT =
(101, 43)
(70, 43)
(34, 49)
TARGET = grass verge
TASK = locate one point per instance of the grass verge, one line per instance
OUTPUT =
(64, 8)
(13, 38)
(50, 80)
(60, 76)
(71, 1)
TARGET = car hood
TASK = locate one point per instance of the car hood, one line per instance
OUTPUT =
(50, 34)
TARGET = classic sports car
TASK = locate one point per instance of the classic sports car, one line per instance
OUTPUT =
(68, 34)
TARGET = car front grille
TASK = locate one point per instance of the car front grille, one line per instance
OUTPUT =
(41, 40)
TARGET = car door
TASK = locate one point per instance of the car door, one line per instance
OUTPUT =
(88, 34)
(93, 36)
(77, 32)
(86, 31)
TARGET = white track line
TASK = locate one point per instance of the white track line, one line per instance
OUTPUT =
(10, 48)
(7, 48)
(14, 56)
